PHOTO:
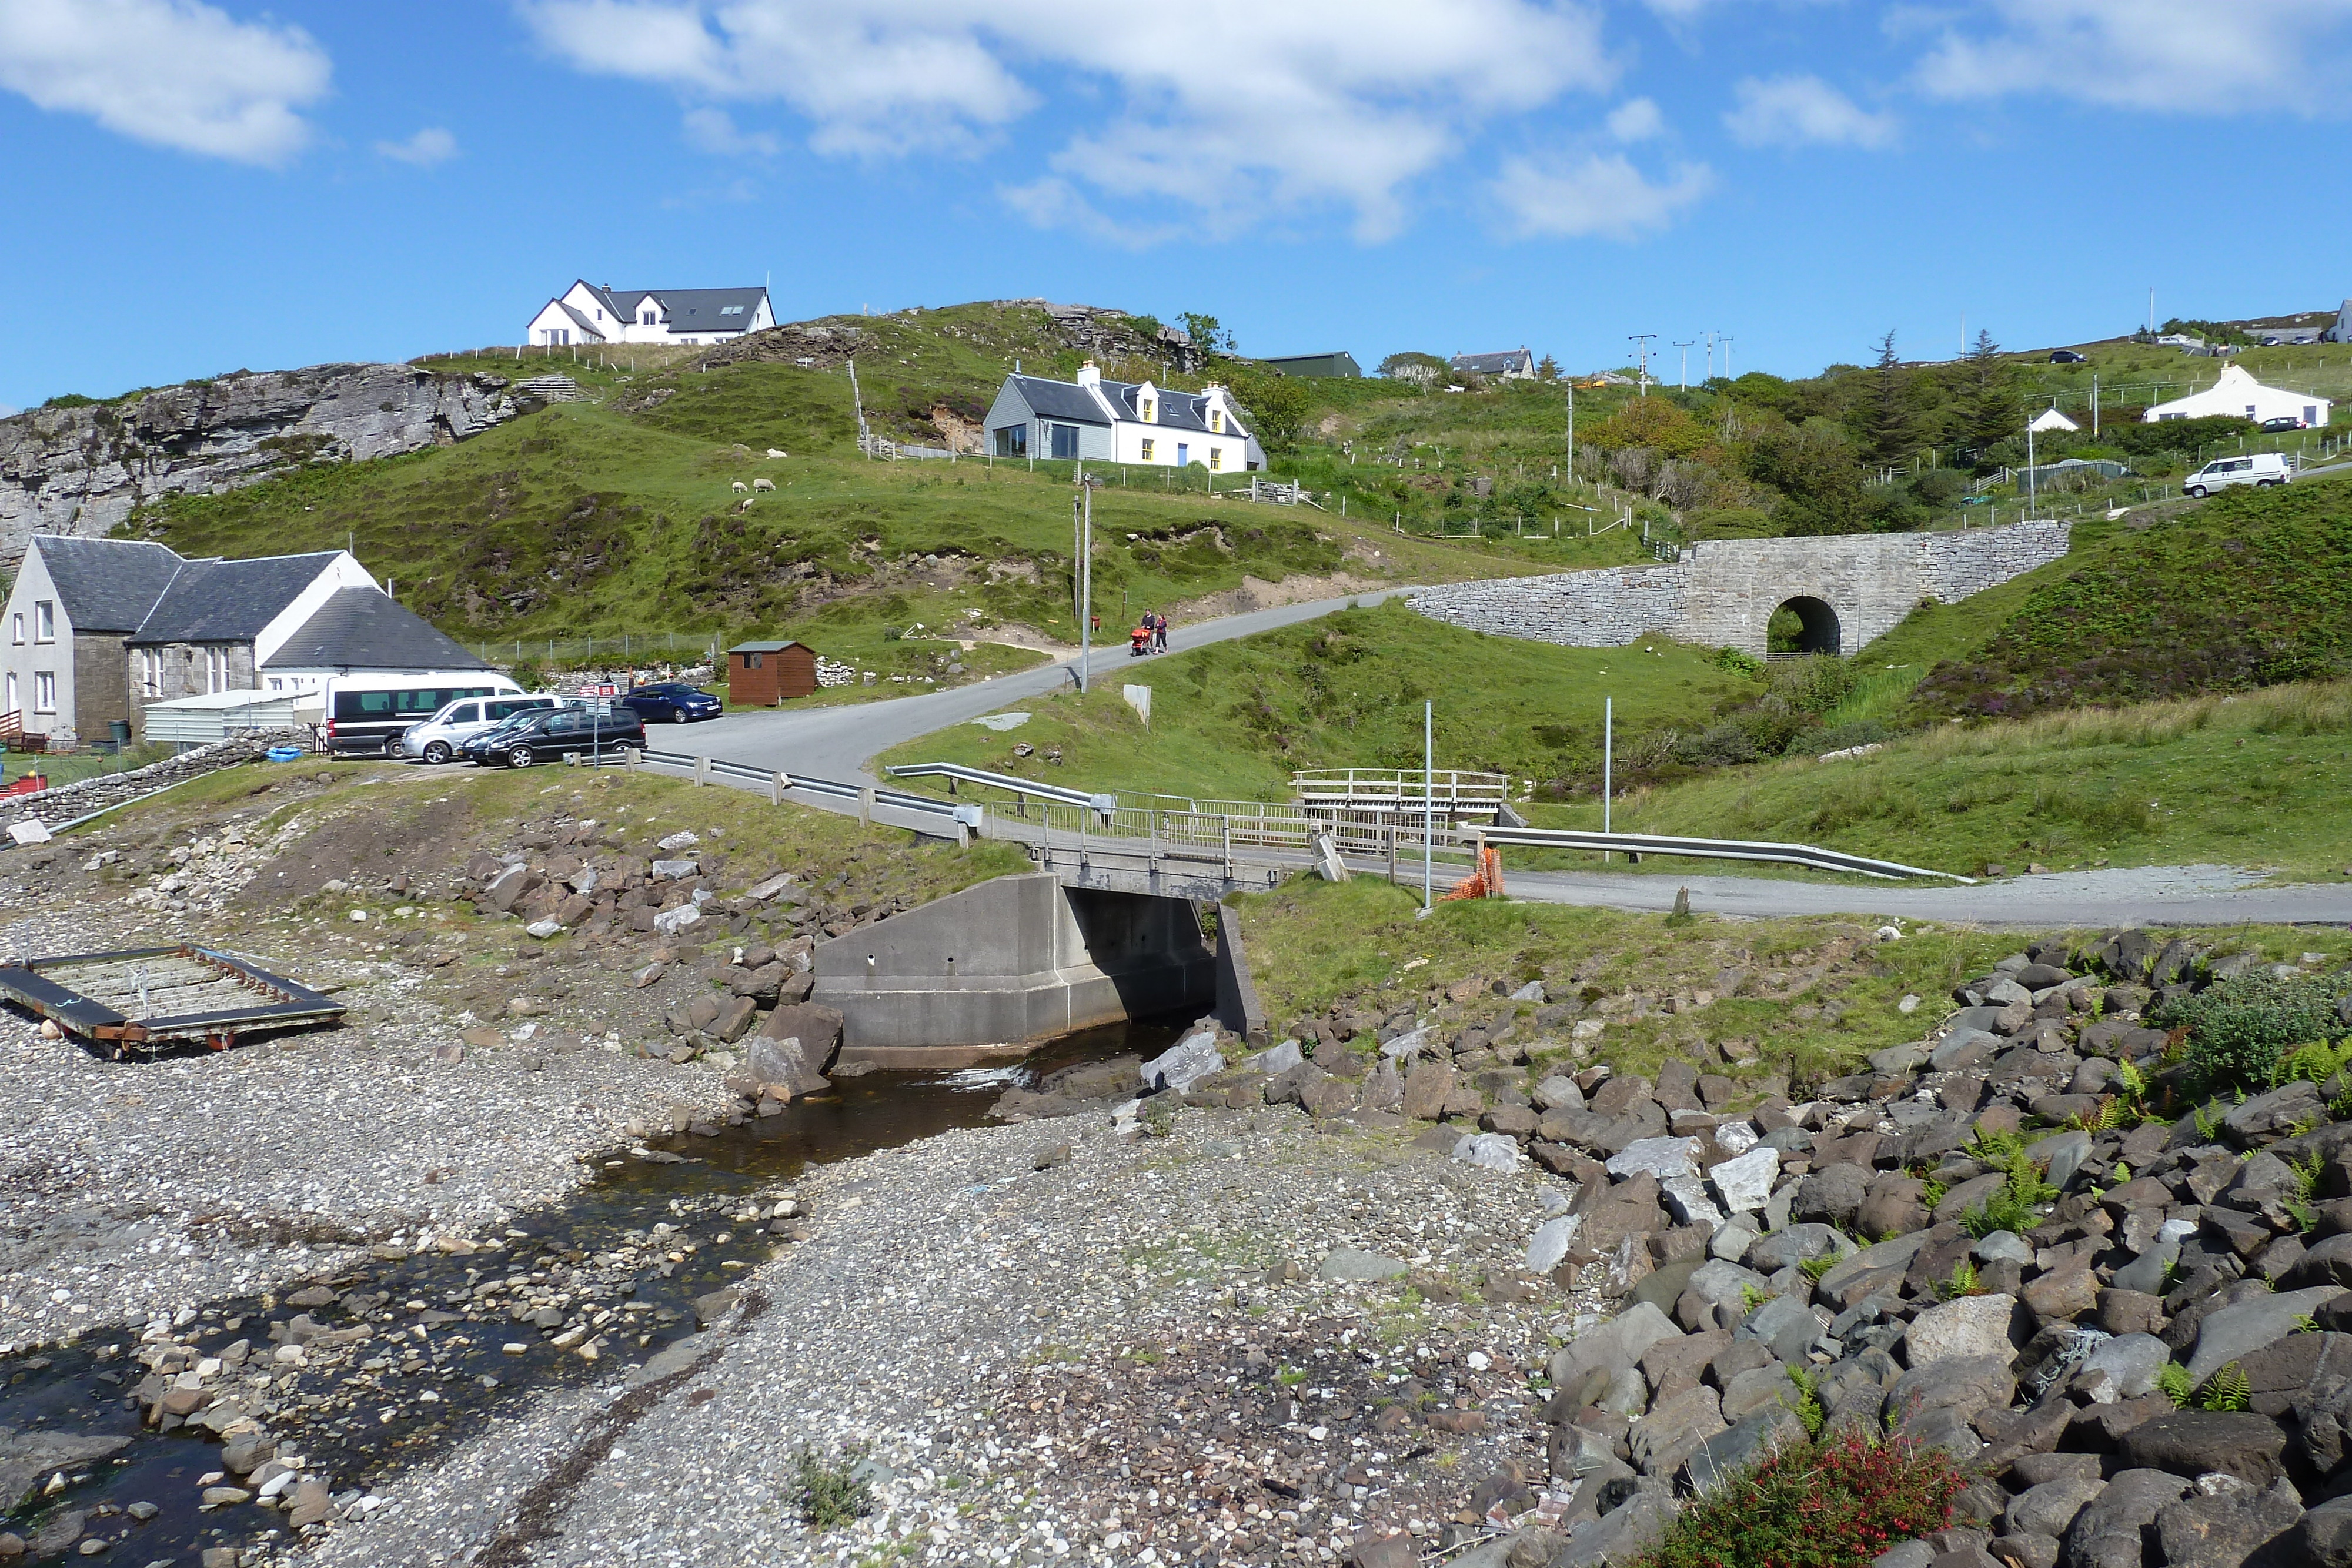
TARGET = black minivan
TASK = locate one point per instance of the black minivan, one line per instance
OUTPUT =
(545, 736)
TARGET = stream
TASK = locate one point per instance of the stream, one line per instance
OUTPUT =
(401, 1357)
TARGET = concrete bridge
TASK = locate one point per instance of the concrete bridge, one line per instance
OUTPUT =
(1847, 590)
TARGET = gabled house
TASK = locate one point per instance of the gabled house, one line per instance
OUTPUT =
(97, 630)
(1516, 365)
(1121, 422)
(585, 313)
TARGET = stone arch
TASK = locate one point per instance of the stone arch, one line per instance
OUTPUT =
(1820, 634)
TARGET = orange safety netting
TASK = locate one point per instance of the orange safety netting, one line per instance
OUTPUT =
(1486, 881)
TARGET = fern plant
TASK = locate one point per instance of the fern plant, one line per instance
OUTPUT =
(2172, 1381)
(2227, 1389)
(1963, 1281)
(1808, 1406)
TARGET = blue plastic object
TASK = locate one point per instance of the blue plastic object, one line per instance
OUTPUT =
(283, 754)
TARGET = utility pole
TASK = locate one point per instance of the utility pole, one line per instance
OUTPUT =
(1684, 345)
(1727, 356)
(1571, 429)
(2033, 491)
(1608, 760)
(1710, 355)
(1641, 342)
(1428, 801)
(1082, 521)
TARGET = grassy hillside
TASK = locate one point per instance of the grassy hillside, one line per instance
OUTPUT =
(1346, 691)
(2253, 779)
(2252, 588)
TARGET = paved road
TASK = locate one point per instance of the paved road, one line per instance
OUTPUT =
(838, 742)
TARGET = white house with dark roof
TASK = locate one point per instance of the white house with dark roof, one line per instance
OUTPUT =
(585, 313)
(1511, 365)
(1121, 422)
(97, 630)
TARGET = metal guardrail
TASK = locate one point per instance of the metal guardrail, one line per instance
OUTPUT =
(1100, 820)
(1392, 787)
(1713, 849)
(956, 772)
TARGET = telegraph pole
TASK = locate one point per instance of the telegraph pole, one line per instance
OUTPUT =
(1641, 342)
(1684, 345)
(1082, 515)
(1725, 340)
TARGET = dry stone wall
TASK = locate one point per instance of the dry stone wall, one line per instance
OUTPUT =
(1722, 593)
(80, 471)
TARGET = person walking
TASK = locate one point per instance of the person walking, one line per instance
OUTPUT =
(1159, 631)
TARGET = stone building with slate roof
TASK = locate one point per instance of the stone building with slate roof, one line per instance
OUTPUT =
(1121, 422)
(96, 630)
(586, 313)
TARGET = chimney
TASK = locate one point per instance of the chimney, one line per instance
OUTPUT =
(1088, 376)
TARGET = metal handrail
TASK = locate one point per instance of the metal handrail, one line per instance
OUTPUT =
(1713, 849)
(1006, 781)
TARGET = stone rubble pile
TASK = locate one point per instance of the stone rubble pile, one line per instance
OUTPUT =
(2129, 1326)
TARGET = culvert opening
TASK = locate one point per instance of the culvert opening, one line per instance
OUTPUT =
(1804, 625)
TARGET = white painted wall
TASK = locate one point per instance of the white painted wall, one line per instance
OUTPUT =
(31, 658)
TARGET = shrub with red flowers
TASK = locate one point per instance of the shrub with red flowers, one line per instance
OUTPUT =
(1834, 1502)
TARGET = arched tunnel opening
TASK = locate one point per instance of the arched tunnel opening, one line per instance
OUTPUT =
(1804, 625)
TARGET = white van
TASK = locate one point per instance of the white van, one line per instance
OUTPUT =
(2258, 469)
(366, 714)
(438, 737)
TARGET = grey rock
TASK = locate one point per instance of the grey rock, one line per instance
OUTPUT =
(1799, 1244)
(2225, 1530)
(1879, 1255)
(2126, 1366)
(1489, 1151)
(1832, 1193)
(2106, 1532)
(1188, 1062)
(2063, 1152)
(1557, 1092)
(1726, 1454)
(1971, 1326)
(1964, 1048)
(2197, 1442)
(2276, 1113)
(1785, 1324)
(28, 1457)
(1552, 1241)
(1732, 1239)
(2236, 1331)
(1758, 1388)
(2002, 1246)
(1660, 1157)
(1621, 1534)
(2049, 1509)
(1966, 1383)
(1910, 1555)
(1619, 1341)
(1744, 1184)
(1280, 1058)
(1355, 1263)
(1721, 1283)
(2325, 1532)
(1660, 1441)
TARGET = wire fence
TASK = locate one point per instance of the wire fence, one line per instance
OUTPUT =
(659, 647)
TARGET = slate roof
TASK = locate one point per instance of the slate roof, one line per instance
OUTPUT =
(1061, 400)
(106, 585)
(1492, 364)
(764, 647)
(1068, 401)
(704, 309)
(365, 629)
(229, 601)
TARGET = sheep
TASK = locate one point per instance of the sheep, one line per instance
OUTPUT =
(741, 488)
(743, 506)
(763, 484)
(775, 452)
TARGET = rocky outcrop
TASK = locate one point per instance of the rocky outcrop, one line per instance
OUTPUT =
(82, 470)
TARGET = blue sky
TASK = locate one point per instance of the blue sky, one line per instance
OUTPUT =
(200, 187)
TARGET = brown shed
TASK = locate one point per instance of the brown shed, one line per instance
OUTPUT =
(765, 673)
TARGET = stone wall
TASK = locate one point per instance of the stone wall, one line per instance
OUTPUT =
(1722, 593)
(81, 470)
(68, 802)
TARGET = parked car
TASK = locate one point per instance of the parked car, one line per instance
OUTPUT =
(548, 734)
(2261, 469)
(2068, 357)
(438, 737)
(2280, 422)
(672, 701)
(366, 715)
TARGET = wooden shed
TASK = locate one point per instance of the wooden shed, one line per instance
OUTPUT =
(765, 673)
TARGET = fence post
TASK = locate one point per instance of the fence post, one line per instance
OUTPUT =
(629, 759)
(701, 771)
(777, 785)
(865, 805)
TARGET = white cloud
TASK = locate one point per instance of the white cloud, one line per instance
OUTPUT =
(1636, 121)
(1598, 194)
(1053, 202)
(713, 130)
(1323, 101)
(175, 73)
(1800, 112)
(2208, 56)
(429, 146)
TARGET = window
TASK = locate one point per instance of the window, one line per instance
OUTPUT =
(45, 621)
(8, 704)
(1217, 421)
(17, 628)
(752, 661)
(1147, 411)
(1147, 444)
(150, 671)
(1216, 458)
(648, 319)
(730, 310)
(276, 685)
(1064, 439)
(1012, 441)
(216, 669)
(45, 692)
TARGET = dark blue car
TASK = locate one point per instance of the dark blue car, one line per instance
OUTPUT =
(672, 701)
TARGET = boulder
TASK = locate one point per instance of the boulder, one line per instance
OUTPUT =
(1831, 1195)
(1785, 1325)
(1660, 1157)
(2050, 1508)
(1744, 1183)
(1188, 1062)
(2233, 1332)
(2325, 1533)
(1550, 1242)
(1427, 1088)
(2229, 1527)
(1661, 1440)
(2276, 1113)
(1355, 1263)
(2196, 1442)
(2124, 1368)
(1966, 1383)
(2106, 1532)
(1619, 1341)
(1972, 1326)
(1489, 1151)
(1728, 1452)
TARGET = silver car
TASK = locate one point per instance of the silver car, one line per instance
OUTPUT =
(437, 738)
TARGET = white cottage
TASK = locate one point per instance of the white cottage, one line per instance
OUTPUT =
(2239, 396)
(585, 313)
(1121, 422)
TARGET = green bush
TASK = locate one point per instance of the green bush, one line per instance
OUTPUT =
(1838, 1503)
(2239, 1030)
(829, 1493)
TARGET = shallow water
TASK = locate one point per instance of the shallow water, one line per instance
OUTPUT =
(361, 1427)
